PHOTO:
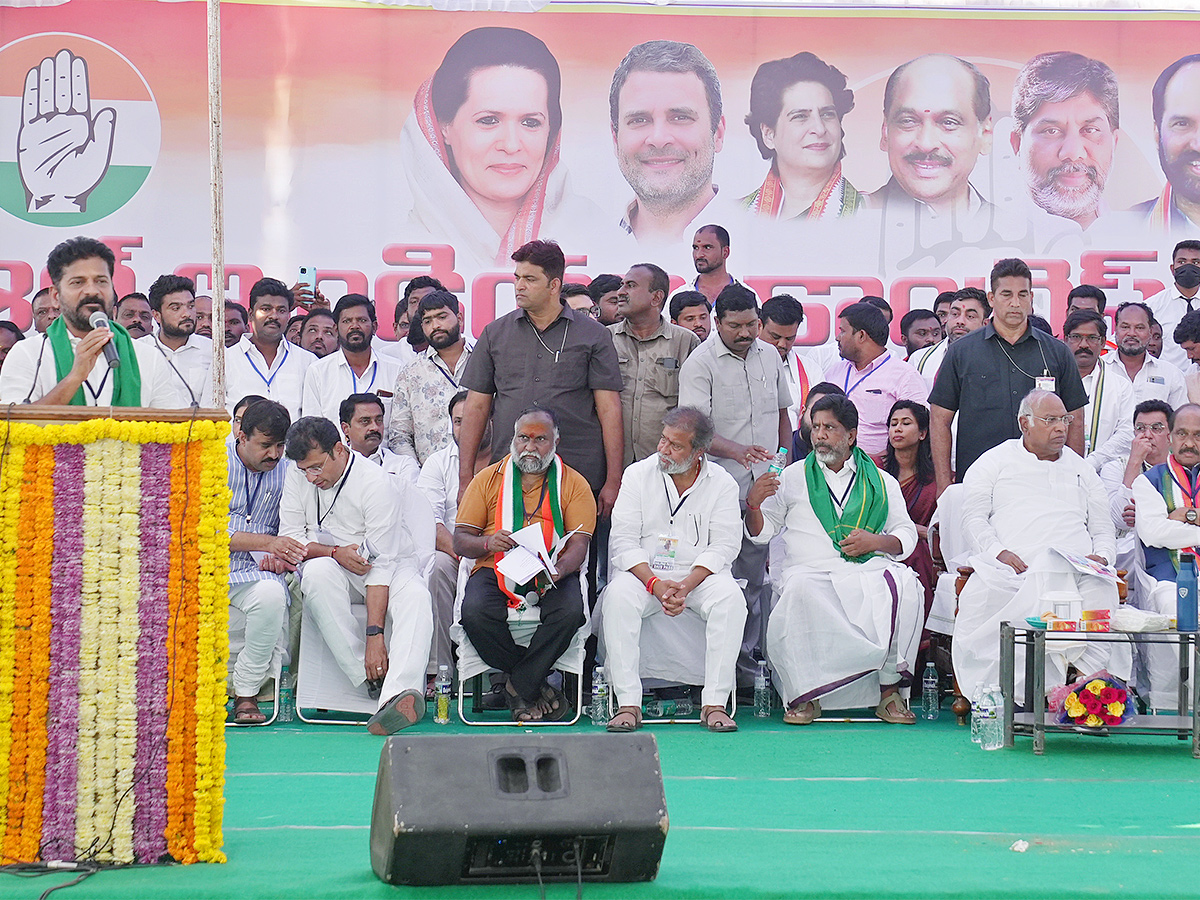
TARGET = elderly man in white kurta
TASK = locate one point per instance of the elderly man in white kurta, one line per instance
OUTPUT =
(1025, 499)
(676, 530)
(360, 548)
(848, 622)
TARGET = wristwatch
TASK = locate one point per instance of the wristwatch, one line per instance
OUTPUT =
(1190, 515)
(373, 630)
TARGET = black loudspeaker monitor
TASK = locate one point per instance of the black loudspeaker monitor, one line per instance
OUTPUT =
(478, 808)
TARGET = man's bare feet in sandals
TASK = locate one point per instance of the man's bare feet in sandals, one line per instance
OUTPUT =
(893, 709)
(246, 711)
(553, 704)
(715, 719)
(522, 710)
(627, 718)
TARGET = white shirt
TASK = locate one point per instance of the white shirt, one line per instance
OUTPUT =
(399, 352)
(1169, 307)
(405, 468)
(330, 380)
(806, 543)
(706, 524)
(362, 505)
(247, 372)
(439, 483)
(1112, 476)
(792, 366)
(928, 360)
(1155, 380)
(1017, 502)
(1114, 427)
(29, 371)
(192, 368)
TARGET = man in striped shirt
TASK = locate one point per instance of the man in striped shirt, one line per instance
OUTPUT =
(258, 556)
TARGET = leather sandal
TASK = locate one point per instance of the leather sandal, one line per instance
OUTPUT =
(894, 710)
(715, 719)
(247, 712)
(522, 710)
(802, 714)
(626, 719)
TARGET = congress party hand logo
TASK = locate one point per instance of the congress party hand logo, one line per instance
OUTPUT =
(62, 151)
(79, 130)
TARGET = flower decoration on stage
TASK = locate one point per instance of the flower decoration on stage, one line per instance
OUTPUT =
(113, 641)
(1096, 701)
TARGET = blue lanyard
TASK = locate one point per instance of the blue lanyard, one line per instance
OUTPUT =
(374, 371)
(850, 368)
(446, 375)
(250, 498)
(267, 381)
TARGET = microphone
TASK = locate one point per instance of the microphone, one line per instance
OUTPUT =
(99, 320)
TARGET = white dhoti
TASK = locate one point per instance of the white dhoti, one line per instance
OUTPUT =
(626, 604)
(837, 635)
(995, 594)
(329, 590)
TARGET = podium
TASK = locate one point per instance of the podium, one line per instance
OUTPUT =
(114, 558)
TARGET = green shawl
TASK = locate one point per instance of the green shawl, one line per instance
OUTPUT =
(866, 506)
(127, 379)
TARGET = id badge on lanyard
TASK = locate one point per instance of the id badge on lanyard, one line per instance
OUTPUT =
(665, 546)
(1044, 383)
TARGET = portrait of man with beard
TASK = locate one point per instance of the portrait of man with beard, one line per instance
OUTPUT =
(1175, 99)
(1064, 134)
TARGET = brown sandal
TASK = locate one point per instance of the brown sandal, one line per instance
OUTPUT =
(522, 710)
(802, 714)
(246, 711)
(627, 719)
(715, 719)
(894, 710)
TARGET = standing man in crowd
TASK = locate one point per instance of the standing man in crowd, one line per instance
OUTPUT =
(236, 322)
(344, 510)
(969, 311)
(920, 329)
(188, 354)
(650, 352)
(1170, 305)
(262, 362)
(135, 315)
(45, 310)
(355, 368)
(257, 588)
(361, 417)
(739, 381)
(603, 291)
(9, 337)
(987, 372)
(781, 317)
(423, 389)
(319, 332)
(1151, 379)
(693, 311)
(204, 316)
(1108, 416)
(81, 272)
(710, 255)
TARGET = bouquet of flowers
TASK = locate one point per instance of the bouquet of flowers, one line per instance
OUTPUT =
(1096, 701)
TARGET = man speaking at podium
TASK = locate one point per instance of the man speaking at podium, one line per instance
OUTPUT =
(70, 364)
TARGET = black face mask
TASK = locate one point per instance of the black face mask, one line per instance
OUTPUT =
(1187, 276)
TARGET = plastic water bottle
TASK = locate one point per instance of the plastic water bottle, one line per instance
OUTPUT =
(930, 692)
(441, 695)
(287, 697)
(1185, 594)
(991, 729)
(976, 717)
(762, 691)
(669, 709)
(599, 697)
(778, 462)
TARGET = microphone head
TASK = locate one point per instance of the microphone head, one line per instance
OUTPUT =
(98, 320)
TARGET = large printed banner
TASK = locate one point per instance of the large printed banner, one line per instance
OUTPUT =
(896, 154)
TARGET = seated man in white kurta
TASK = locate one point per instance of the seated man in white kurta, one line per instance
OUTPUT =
(676, 530)
(1025, 499)
(343, 508)
(849, 616)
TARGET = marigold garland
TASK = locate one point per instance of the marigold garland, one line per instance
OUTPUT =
(92, 579)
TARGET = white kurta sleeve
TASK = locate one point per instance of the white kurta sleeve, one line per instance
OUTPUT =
(291, 506)
(625, 536)
(1118, 443)
(1112, 477)
(724, 529)
(980, 482)
(1099, 519)
(1154, 529)
(379, 513)
(775, 508)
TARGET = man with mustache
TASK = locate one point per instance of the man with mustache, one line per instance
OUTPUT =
(740, 382)
(236, 322)
(1152, 379)
(262, 362)
(361, 417)
(1108, 415)
(420, 426)
(845, 631)
(134, 313)
(355, 368)
(529, 486)
(188, 354)
(1175, 103)
(1065, 116)
(81, 271)
(937, 120)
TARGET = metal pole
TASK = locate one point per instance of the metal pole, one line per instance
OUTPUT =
(217, 201)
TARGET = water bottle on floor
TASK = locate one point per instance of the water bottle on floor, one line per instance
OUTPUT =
(287, 697)
(976, 720)
(441, 696)
(669, 709)
(991, 730)
(599, 697)
(931, 697)
(762, 691)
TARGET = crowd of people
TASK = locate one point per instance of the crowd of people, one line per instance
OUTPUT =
(669, 455)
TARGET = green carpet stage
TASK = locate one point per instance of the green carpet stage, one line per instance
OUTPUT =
(830, 810)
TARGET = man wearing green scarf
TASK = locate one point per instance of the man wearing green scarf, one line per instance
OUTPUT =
(67, 366)
(846, 628)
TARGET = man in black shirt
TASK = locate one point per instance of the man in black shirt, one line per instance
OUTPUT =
(987, 372)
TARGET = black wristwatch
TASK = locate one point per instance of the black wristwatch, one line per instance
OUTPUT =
(373, 630)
